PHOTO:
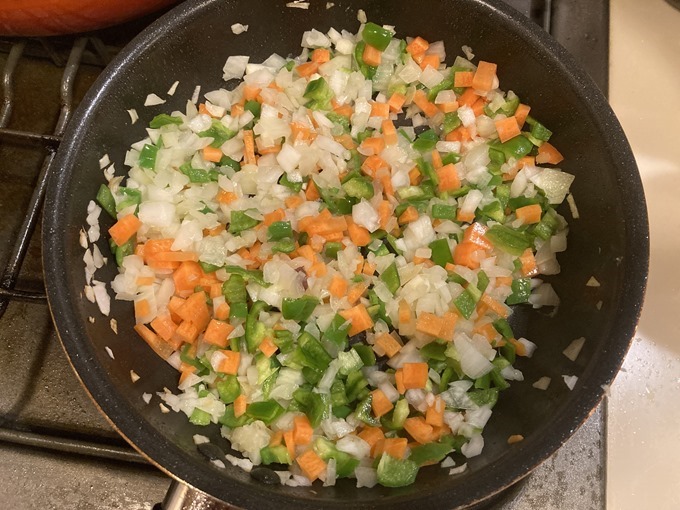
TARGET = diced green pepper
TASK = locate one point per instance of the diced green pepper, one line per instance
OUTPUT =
(336, 332)
(426, 141)
(434, 350)
(315, 356)
(364, 412)
(228, 389)
(218, 132)
(198, 175)
(240, 221)
(228, 419)
(366, 70)
(482, 281)
(340, 120)
(128, 248)
(332, 249)
(430, 453)
(444, 212)
(509, 240)
(249, 275)
(318, 408)
(503, 327)
(319, 94)
(132, 197)
(266, 410)
(390, 277)
(445, 84)
(284, 246)
(275, 455)
(299, 309)
(355, 385)
(486, 397)
(376, 36)
(338, 395)
(164, 119)
(295, 186)
(279, 230)
(208, 268)
(548, 225)
(451, 122)
(256, 331)
(466, 302)
(516, 147)
(521, 290)
(105, 199)
(538, 130)
(359, 187)
(396, 472)
(147, 156)
(441, 252)
(226, 161)
(366, 354)
(253, 107)
(200, 417)
(345, 464)
(349, 361)
(283, 339)
(234, 291)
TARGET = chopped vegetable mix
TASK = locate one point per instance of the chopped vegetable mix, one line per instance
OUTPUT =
(335, 291)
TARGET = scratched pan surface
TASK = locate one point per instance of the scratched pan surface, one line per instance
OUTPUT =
(610, 241)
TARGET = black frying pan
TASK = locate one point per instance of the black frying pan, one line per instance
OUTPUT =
(610, 241)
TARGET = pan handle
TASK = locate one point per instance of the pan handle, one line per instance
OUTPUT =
(183, 497)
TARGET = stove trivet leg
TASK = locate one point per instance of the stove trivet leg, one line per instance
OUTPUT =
(183, 497)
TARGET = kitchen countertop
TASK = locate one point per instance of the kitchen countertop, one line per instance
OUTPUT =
(643, 414)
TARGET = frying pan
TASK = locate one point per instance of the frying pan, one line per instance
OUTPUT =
(609, 241)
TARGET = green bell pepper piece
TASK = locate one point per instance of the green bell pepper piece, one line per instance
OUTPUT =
(132, 197)
(275, 455)
(376, 36)
(359, 187)
(521, 290)
(509, 240)
(164, 119)
(364, 411)
(147, 156)
(345, 464)
(240, 221)
(266, 411)
(441, 252)
(390, 277)
(228, 389)
(200, 417)
(299, 309)
(105, 199)
(430, 453)
(444, 212)
(218, 132)
(396, 472)
(279, 230)
(315, 356)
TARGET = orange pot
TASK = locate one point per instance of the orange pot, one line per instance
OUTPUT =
(53, 17)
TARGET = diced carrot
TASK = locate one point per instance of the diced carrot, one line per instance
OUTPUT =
(186, 278)
(520, 348)
(276, 215)
(222, 312)
(250, 93)
(276, 439)
(268, 347)
(236, 110)
(429, 323)
(302, 430)
(195, 309)
(503, 280)
(226, 197)
(229, 364)
(139, 250)
(465, 217)
(186, 332)
(321, 55)
(429, 60)
(356, 292)
(240, 405)
(465, 254)
(385, 179)
(338, 286)
(312, 193)
(548, 154)
(307, 252)
(163, 349)
(384, 213)
(484, 76)
(358, 318)
(409, 215)
(217, 332)
(396, 102)
(345, 110)
(372, 435)
(415, 375)
(507, 129)
(387, 345)
(529, 267)
(124, 229)
(176, 256)
(185, 371)
(436, 159)
(521, 114)
(299, 131)
(358, 234)
(399, 381)
(374, 145)
(318, 269)
(290, 443)
(449, 106)
(203, 110)
(213, 154)
(460, 134)
(293, 201)
(307, 69)
(419, 429)
(487, 330)
(249, 147)
(164, 326)
(478, 106)
(498, 308)
(214, 231)
(369, 268)
(404, 312)
(463, 79)
(372, 164)
(173, 305)
(435, 413)
(142, 308)
(448, 178)
(420, 99)
(414, 176)
(372, 56)
(475, 233)
(394, 446)
(380, 404)
(417, 46)
(468, 97)
(346, 141)
(380, 110)
(529, 214)
(311, 464)
(447, 330)
(144, 280)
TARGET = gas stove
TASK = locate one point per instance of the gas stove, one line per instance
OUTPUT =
(56, 449)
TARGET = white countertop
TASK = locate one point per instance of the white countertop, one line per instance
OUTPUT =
(643, 470)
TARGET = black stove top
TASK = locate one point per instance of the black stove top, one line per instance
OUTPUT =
(56, 449)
